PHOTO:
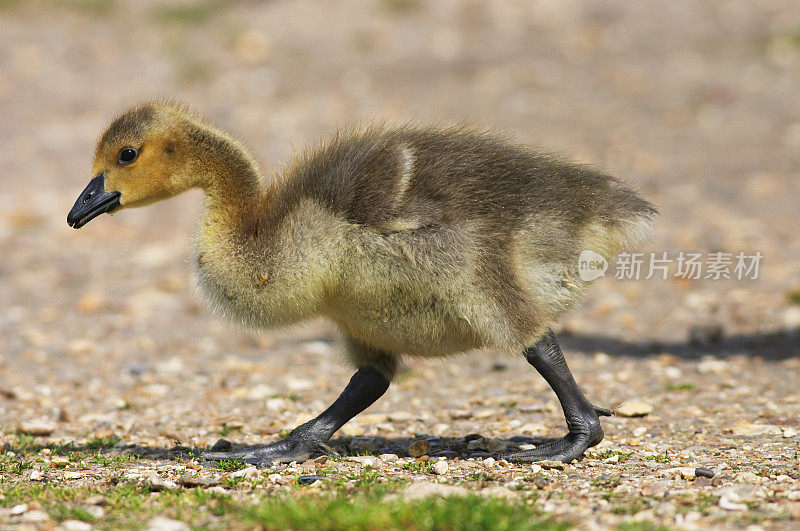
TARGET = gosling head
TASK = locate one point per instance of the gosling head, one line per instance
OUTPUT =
(144, 156)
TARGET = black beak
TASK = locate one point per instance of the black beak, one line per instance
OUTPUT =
(93, 201)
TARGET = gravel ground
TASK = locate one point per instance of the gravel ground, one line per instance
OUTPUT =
(104, 343)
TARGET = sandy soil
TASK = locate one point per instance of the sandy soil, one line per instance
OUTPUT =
(695, 103)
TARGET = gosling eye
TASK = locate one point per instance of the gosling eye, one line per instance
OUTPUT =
(127, 155)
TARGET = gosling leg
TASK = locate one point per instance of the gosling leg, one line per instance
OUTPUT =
(310, 439)
(582, 417)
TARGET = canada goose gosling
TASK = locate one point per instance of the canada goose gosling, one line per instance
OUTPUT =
(415, 241)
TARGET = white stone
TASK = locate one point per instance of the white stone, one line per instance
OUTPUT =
(749, 429)
(729, 505)
(36, 517)
(96, 511)
(684, 472)
(791, 317)
(425, 489)
(440, 468)
(297, 384)
(634, 408)
(711, 365)
(37, 427)
(533, 427)
(276, 404)
(166, 524)
(155, 482)
(366, 460)
(248, 472)
(76, 525)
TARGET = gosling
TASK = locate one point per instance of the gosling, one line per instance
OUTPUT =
(419, 242)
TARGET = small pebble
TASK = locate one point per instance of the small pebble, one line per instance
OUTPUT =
(59, 461)
(730, 505)
(656, 488)
(75, 525)
(97, 499)
(440, 468)
(197, 481)
(155, 483)
(248, 472)
(279, 479)
(552, 465)
(702, 481)
(96, 512)
(749, 429)
(634, 408)
(366, 460)
(36, 517)
(419, 448)
(308, 480)
(160, 523)
(702, 472)
(222, 445)
(18, 509)
(38, 428)
(487, 444)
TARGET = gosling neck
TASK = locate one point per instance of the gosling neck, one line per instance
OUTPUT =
(226, 171)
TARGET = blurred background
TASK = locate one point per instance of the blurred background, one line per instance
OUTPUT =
(694, 103)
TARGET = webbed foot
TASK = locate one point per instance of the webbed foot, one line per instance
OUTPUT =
(295, 447)
(310, 439)
(571, 446)
(583, 418)
(567, 449)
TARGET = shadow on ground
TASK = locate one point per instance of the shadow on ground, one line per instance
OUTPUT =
(344, 446)
(778, 345)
